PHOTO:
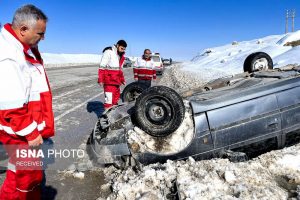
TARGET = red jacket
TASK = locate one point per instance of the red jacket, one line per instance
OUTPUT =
(26, 99)
(144, 70)
(110, 70)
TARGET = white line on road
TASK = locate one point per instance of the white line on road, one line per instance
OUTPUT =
(76, 107)
(66, 93)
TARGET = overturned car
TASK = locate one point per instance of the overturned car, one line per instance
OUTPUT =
(223, 115)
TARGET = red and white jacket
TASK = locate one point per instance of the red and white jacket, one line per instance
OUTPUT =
(144, 69)
(26, 99)
(110, 70)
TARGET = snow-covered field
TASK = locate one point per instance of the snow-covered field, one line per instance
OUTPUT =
(62, 60)
(227, 60)
(52, 60)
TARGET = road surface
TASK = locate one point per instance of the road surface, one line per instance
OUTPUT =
(77, 103)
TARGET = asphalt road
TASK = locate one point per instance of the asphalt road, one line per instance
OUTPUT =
(77, 103)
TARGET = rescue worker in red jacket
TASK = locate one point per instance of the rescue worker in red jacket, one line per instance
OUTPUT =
(110, 73)
(26, 115)
(144, 70)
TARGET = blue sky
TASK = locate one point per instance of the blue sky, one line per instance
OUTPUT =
(175, 28)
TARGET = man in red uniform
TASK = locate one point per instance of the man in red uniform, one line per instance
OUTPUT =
(110, 73)
(26, 115)
(144, 70)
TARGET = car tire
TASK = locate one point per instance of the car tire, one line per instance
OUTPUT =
(132, 91)
(258, 61)
(159, 111)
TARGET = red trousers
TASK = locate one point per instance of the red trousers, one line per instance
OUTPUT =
(21, 183)
(112, 95)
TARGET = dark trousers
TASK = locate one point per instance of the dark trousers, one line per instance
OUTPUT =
(145, 82)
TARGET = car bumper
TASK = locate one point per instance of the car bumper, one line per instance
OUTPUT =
(110, 148)
(108, 140)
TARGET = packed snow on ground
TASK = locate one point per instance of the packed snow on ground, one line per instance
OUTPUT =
(63, 60)
(227, 60)
(274, 175)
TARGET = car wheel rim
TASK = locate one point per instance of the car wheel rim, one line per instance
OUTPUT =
(261, 64)
(158, 111)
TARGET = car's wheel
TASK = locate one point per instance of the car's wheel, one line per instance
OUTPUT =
(258, 61)
(159, 111)
(132, 91)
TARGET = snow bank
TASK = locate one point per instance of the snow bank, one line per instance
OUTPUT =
(274, 175)
(179, 79)
(228, 60)
(61, 60)
(52, 60)
(290, 57)
(290, 37)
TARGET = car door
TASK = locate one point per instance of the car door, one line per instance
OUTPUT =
(289, 105)
(245, 122)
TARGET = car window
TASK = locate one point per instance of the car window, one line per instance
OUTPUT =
(155, 59)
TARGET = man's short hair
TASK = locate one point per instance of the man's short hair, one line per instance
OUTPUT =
(122, 43)
(146, 50)
(28, 15)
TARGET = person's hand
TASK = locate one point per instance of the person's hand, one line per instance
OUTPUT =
(101, 84)
(135, 79)
(124, 83)
(36, 142)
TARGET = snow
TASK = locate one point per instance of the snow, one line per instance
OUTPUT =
(62, 60)
(79, 175)
(52, 60)
(180, 79)
(292, 56)
(290, 37)
(273, 175)
(290, 161)
(228, 60)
